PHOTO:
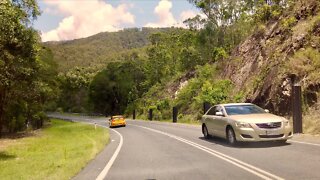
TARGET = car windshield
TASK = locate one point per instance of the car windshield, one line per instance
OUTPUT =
(117, 117)
(243, 109)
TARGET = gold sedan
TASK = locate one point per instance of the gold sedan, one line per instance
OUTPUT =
(116, 121)
(244, 122)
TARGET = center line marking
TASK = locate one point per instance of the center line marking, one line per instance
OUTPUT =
(254, 170)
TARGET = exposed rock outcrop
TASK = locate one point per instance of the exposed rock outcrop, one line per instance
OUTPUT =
(258, 66)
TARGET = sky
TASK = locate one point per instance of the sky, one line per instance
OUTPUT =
(74, 19)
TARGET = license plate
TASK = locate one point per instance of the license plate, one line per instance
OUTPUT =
(272, 133)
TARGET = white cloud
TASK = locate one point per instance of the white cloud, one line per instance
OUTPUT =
(164, 15)
(187, 14)
(85, 18)
(166, 18)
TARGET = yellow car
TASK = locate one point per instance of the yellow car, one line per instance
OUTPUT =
(116, 121)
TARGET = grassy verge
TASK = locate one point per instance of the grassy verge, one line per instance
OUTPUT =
(311, 124)
(181, 121)
(57, 152)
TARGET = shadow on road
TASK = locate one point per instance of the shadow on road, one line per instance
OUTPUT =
(223, 142)
(116, 127)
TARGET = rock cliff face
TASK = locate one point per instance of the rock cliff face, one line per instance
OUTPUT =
(264, 66)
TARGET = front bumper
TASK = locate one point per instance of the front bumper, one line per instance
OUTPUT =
(259, 134)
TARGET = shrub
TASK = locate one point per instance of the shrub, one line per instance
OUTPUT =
(288, 23)
(316, 26)
(305, 64)
(214, 93)
(260, 31)
(185, 96)
(219, 53)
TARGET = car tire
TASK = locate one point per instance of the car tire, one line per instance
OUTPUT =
(205, 132)
(231, 136)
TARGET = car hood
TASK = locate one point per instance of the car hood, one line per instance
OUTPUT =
(257, 118)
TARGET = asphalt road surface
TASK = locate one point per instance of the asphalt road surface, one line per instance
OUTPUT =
(154, 150)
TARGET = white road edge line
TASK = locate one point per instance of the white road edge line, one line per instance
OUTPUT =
(254, 170)
(300, 142)
(106, 169)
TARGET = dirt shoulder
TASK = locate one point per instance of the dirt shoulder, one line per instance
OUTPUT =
(307, 138)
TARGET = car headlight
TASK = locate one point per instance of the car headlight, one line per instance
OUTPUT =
(286, 123)
(243, 125)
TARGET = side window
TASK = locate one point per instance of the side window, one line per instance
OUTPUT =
(219, 109)
(212, 111)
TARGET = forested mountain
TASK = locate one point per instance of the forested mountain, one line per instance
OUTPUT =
(97, 50)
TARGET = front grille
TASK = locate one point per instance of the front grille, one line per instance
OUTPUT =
(271, 125)
(271, 136)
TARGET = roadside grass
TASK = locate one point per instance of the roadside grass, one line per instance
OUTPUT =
(181, 120)
(311, 124)
(59, 151)
(80, 115)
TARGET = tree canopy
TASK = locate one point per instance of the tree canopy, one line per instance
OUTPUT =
(22, 87)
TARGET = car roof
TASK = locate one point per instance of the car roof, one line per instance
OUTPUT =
(235, 104)
(116, 116)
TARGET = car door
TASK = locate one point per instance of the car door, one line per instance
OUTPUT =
(210, 120)
(220, 121)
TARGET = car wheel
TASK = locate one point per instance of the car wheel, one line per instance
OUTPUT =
(205, 132)
(231, 137)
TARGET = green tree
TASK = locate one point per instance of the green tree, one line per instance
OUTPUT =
(74, 86)
(19, 63)
(228, 22)
(120, 84)
(221, 12)
(214, 93)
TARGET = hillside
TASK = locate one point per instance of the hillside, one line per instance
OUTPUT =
(261, 69)
(280, 54)
(96, 50)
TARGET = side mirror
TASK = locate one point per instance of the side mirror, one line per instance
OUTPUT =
(219, 113)
(266, 110)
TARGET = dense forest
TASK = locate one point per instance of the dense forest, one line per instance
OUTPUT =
(27, 74)
(239, 51)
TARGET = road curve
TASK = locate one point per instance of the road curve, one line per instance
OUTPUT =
(154, 150)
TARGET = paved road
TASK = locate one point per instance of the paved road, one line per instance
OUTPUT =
(153, 150)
